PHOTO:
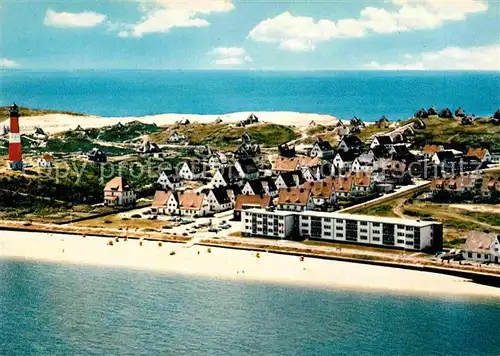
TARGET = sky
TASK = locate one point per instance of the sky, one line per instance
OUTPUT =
(251, 34)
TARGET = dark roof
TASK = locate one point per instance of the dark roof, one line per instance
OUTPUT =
(230, 174)
(401, 150)
(445, 156)
(221, 196)
(248, 165)
(352, 141)
(292, 178)
(380, 151)
(324, 145)
(384, 140)
(197, 167)
(96, 152)
(348, 156)
(257, 185)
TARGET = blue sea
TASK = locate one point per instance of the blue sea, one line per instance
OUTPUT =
(57, 309)
(366, 94)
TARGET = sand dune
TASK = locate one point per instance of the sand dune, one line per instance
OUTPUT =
(54, 123)
(232, 264)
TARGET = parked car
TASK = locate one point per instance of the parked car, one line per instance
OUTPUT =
(213, 229)
(167, 227)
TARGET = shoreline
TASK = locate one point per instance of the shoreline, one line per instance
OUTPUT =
(55, 123)
(233, 264)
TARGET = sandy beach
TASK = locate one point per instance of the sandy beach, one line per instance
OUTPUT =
(232, 264)
(54, 123)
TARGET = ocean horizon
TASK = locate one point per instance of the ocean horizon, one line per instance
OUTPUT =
(343, 94)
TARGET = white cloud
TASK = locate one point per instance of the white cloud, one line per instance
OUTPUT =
(8, 63)
(449, 58)
(230, 56)
(230, 61)
(160, 16)
(299, 33)
(67, 19)
(228, 51)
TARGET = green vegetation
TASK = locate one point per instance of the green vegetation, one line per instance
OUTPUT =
(226, 136)
(115, 133)
(66, 145)
(480, 133)
(377, 210)
(4, 112)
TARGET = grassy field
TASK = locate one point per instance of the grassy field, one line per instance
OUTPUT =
(228, 136)
(4, 112)
(115, 133)
(117, 222)
(481, 133)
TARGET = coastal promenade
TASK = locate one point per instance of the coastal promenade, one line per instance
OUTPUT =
(418, 262)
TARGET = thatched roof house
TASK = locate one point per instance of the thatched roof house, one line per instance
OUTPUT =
(421, 114)
(446, 114)
(432, 111)
(460, 112)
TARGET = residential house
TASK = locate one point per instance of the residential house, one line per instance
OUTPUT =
(491, 188)
(289, 179)
(342, 186)
(193, 203)
(295, 199)
(218, 200)
(443, 157)
(217, 160)
(482, 247)
(247, 169)
(226, 176)
(322, 192)
(176, 138)
(495, 156)
(244, 202)
(322, 149)
(118, 193)
(45, 161)
(364, 163)
(481, 153)
(429, 150)
(311, 174)
(97, 155)
(384, 140)
(165, 203)
(246, 150)
(344, 160)
(148, 147)
(362, 183)
(283, 164)
(261, 186)
(350, 143)
(233, 191)
(192, 170)
(286, 150)
(169, 180)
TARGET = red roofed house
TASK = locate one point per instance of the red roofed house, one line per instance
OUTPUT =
(481, 153)
(118, 193)
(295, 199)
(250, 201)
(193, 203)
(165, 203)
(45, 160)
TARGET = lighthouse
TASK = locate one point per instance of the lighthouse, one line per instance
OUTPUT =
(15, 150)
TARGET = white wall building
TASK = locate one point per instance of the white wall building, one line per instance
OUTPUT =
(378, 231)
(268, 222)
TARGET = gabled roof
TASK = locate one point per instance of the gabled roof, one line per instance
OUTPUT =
(322, 189)
(431, 149)
(96, 152)
(341, 184)
(294, 196)
(323, 145)
(117, 184)
(47, 157)
(259, 185)
(352, 141)
(291, 163)
(401, 150)
(477, 152)
(161, 198)
(362, 179)
(292, 178)
(348, 156)
(221, 196)
(248, 165)
(191, 200)
(380, 151)
(384, 140)
(479, 241)
(262, 201)
(366, 159)
(445, 156)
(196, 167)
(230, 174)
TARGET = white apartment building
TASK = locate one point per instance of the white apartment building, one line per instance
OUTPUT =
(268, 222)
(371, 230)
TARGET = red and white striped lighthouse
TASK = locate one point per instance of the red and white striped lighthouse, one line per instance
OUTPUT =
(15, 150)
